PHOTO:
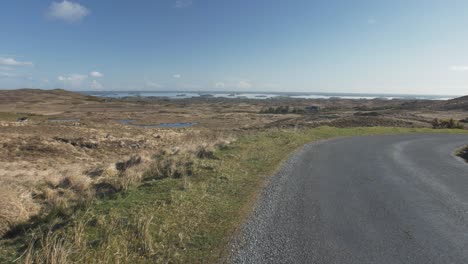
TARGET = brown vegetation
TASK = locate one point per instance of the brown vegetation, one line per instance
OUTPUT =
(450, 123)
(72, 150)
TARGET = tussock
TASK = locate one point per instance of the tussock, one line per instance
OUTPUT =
(170, 166)
(16, 206)
(54, 248)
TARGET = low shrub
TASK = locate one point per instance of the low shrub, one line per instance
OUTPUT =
(282, 110)
(205, 152)
(124, 165)
(173, 166)
(450, 123)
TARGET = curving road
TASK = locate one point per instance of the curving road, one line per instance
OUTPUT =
(373, 199)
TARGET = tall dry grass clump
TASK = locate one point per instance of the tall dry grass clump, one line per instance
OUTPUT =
(170, 166)
(74, 189)
(16, 206)
(54, 248)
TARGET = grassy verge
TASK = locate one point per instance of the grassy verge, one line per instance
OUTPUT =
(175, 220)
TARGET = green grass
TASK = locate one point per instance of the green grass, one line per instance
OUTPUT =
(189, 220)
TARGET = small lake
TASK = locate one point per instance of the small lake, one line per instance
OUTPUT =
(161, 125)
(126, 121)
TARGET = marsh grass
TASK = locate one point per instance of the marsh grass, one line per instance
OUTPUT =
(173, 216)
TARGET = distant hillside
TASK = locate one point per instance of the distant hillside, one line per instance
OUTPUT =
(42, 101)
(37, 95)
(463, 98)
(460, 103)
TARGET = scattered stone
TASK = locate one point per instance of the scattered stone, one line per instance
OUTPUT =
(135, 146)
(175, 150)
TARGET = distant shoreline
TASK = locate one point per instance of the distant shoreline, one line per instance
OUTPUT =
(263, 95)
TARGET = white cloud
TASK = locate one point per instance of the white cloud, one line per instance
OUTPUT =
(13, 62)
(67, 11)
(96, 74)
(96, 85)
(74, 80)
(177, 76)
(244, 85)
(183, 3)
(459, 68)
(219, 85)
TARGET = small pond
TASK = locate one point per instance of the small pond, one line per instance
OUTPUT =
(126, 121)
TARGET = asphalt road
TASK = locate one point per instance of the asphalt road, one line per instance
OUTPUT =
(373, 199)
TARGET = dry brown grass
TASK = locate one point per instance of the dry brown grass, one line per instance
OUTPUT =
(65, 189)
(42, 170)
(55, 248)
(56, 199)
(120, 241)
(16, 206)
(132, 177)
(170, 166)
(76, 182)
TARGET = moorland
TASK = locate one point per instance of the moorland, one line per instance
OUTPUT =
(138, 179)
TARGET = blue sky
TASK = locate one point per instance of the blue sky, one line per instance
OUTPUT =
(407, 46)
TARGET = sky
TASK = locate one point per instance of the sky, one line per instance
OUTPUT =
(398, 46)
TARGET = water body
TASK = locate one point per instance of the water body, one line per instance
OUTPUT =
(263, 96)
(162, 125)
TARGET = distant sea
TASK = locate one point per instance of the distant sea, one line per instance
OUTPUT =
(264, 95)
